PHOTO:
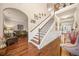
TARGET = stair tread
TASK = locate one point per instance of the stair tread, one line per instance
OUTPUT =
(35, 42)
(38, 35)
(41, 33)
(36, 38)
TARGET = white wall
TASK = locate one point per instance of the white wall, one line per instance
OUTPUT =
(1, 22)
(77, 15)
(29, 9)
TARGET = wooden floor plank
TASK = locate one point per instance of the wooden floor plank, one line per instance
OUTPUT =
(23, 48)
(20, 48)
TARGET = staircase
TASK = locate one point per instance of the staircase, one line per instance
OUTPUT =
(45, 32)
(41, 33)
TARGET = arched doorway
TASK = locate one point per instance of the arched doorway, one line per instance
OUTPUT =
(15, 28)
(13, 17)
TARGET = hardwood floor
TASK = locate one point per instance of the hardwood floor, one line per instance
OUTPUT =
(23, 48)
(63, 41)
(64, 52)
(35, 51)
(52, 49)
(18, 47)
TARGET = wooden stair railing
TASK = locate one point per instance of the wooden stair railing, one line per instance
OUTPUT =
(42, 32)
(40, 23)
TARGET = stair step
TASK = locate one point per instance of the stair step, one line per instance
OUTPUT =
(35, 41)
(41, 37)
(38, 36)
(41, 33)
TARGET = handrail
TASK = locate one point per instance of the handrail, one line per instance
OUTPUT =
(44, 24)
(48, 21)
(40, 23)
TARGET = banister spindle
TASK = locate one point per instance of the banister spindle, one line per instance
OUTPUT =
(39, 35)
